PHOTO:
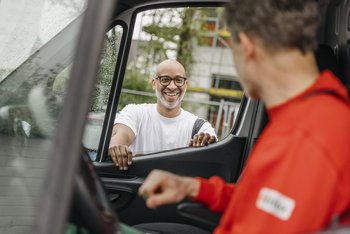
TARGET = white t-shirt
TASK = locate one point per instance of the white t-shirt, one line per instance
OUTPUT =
(154, 132)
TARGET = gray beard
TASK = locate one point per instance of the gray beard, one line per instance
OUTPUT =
(168, 105)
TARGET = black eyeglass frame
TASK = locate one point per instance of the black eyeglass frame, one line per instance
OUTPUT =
(171, 79)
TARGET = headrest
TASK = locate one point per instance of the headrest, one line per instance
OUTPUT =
(326, 59)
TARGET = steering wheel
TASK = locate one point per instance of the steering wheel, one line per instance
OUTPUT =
(90, 207)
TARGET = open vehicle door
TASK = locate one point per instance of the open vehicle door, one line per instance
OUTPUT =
(224, 158)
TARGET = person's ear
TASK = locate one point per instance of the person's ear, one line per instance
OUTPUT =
(154, 84)
(247, 45)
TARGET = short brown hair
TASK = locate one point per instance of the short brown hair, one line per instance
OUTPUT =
(278, 24)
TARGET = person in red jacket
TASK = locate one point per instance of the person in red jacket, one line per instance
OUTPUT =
(297, 178)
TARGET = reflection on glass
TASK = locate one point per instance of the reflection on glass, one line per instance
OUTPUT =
(98, 103)
(36, 44)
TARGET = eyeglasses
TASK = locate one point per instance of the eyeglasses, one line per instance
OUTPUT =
(165, 80)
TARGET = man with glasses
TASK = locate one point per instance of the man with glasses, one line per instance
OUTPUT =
(146, 128)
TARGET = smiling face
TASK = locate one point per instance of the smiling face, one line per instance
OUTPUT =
(169, 96)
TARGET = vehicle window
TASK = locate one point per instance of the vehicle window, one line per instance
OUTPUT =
(37, 42)
(37, 31)
(98, 103)
(196, 37)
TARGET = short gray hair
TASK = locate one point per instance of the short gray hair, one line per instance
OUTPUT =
(278, 24)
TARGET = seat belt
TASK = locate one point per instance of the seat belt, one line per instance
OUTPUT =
(197, 125)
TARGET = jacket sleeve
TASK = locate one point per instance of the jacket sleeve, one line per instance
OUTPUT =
(214, 193)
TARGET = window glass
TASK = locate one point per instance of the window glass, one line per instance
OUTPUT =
(39, 20)
(37, 42)
(196, 37)
(98, 104)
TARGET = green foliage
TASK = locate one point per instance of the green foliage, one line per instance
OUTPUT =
(186, 36)
(136, 81)
(154, 52)
(165, 32)
(170, 31)
(174, 31)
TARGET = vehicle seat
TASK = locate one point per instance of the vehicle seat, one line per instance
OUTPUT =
(326, 59)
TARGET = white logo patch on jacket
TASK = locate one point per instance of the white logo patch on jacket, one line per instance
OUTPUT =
(275, 203)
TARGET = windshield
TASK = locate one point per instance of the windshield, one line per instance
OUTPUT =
(37, 44)
(28, 25)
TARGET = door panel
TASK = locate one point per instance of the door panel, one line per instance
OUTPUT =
(224, 159)
(203, 162)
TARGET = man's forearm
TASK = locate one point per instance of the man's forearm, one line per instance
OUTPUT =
(121, 135)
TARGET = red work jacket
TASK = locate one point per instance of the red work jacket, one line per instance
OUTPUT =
(297, 177)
